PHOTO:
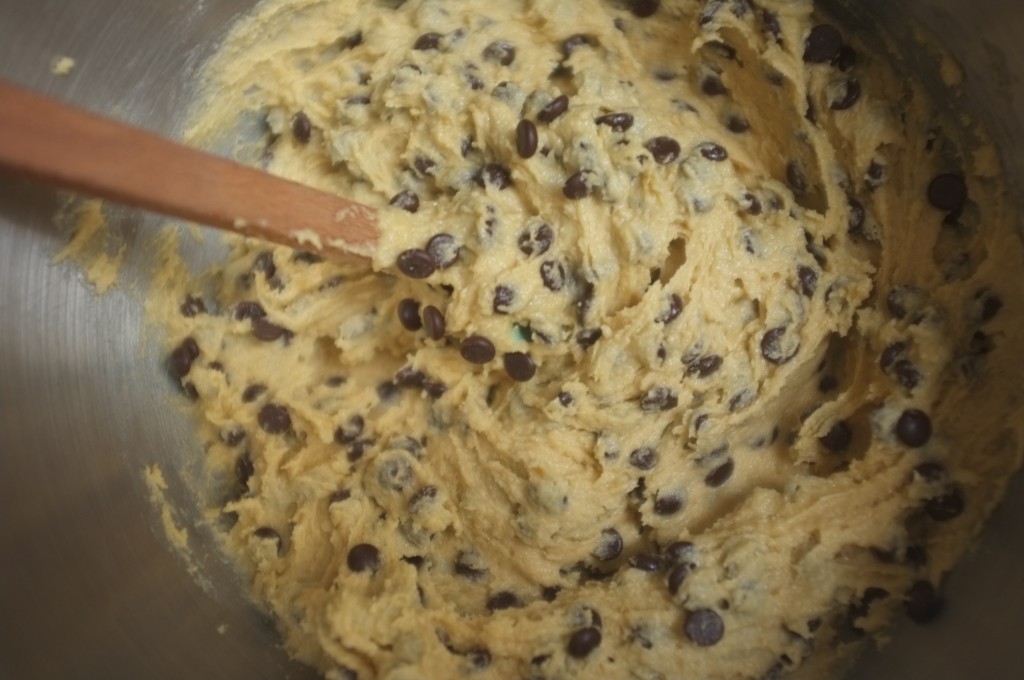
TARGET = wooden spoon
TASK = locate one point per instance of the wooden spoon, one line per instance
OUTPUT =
(74, 149)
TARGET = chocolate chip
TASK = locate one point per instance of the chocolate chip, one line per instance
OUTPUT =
(433, 322)
(808, 280)
(416, 263)
(678, 575)
(857, 215)
(680, 551)
(495, 175)
(552, 273)
(364, 557)
(554, 109)
(526, 138)
(949, 505)
(503, 298)
(704, 366)
(408, 311)
(565, 399)
(301, 127)
(771, 347)
(922, 602)
(407, 200)
(252, 392)
(620, 122)
(675, 308)
(914, 428)
(248, 309)
(838, 438)
(669, 504)
(704, 627)
(537, 243)
(443, 249)
(427, 41)
(823, 44)
(583, 642)
(387, 391)
(588, 336)
(770, 24)
(737, 124)
(192, 306)
(609, 546)
(477, 349)
(991, 304)
(576, 186)
(407, 376)
(906, 373)
(795, 178)
(721, 474)
(519, 366)
(663, 149)
(500, 52)
(268, 332)
(644, 458)
(570, 44)
(503, 600)
(712, 86)
(714, 152)
(469, 565)
(848, 96)
(181, 359)
(947, 192)
(424, 165)
(659, 399)
(644, 8)
(264, 262)
(274, 419)
(350, 431)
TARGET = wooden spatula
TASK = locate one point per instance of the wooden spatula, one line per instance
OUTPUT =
(64, 146)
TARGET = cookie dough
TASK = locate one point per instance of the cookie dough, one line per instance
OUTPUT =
(690, 348)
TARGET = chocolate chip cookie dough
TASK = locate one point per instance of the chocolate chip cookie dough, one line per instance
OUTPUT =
(691, 346)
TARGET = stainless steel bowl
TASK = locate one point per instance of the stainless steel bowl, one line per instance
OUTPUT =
(89, 585)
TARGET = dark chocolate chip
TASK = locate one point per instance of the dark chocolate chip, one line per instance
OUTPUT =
(644, 458)
(849, 96)
(424, 165)
(570, 44)
(427, 41)
(503, 600)
(183, 356)
(663, 149)
(416, 263)
(823, 44)
(857, 215)
(770, 25)
(552, 273)
(714, 152)
(922, 602)
(495, 175)
(712, 86)
(675, 308)
(906, 373)
(990, 305)
(554, 109)
(947, 192)
(565, 399)
(526, 138)
(588, 336)
(808, 280)
(704, 366)
(268, 332)
(549, 593)
(301, 127)
(192, 306)
(704, 627)
(669, 504)
(914, 428)
(620, 122)
(537, 243)
(659, 399)
(838, 438)
(949, 505)
(519, 366)
(795, 178)
(609, 546)
(444, 250)
(407, 200)
(476, 349)
(274, 419)
(387, 391)
(678, 575)
(679, 552)
(503, 298)
(364, 557)
(252, 392)
(501, 52)
(583, 642)
(469, 566)
(737, 124)
(644, 8)
(433, 322)
(350, 431)
(576, 186)
(771, 347)
(721, 474)
(407, 376)
(248, 309)
(409, 314)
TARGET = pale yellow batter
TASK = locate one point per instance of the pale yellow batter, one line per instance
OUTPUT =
(686, 354)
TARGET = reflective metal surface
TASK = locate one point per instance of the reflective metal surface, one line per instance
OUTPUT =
(89, 586)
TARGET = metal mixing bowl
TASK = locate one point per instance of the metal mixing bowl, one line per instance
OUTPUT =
(89, 585)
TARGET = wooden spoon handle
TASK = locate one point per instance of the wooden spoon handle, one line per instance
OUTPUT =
(78, 150)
